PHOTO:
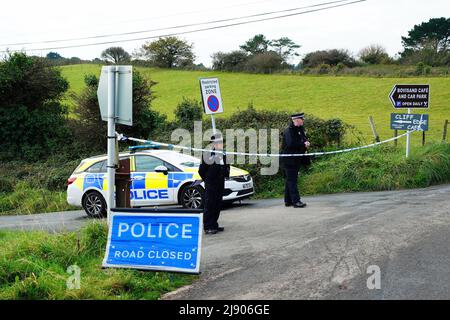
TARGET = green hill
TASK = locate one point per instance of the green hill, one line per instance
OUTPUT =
(350, 98)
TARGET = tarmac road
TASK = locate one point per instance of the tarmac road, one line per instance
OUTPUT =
(320, 252)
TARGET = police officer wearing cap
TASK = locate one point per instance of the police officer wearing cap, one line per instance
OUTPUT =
(213, 170)
(295, 141)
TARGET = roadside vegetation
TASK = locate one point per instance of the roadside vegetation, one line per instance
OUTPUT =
(34, 266)
(378, 169)
(50, 119)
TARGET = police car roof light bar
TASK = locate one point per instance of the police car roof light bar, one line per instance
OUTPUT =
(145, 146)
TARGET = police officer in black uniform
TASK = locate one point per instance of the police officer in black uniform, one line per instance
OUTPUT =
(213, 170)
(295, 141)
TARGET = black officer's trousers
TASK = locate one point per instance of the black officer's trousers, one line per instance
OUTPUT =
(213, 204)
(291, 194)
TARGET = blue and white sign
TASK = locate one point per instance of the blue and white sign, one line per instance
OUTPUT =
(155, 241)
(407, 121)
(211, 97)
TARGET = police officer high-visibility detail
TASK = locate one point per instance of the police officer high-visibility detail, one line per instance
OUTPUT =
(213, 170)
(295, 141)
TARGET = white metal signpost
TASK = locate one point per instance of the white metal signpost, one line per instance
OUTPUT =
(115, 98)
(411, 96)
(211, 98)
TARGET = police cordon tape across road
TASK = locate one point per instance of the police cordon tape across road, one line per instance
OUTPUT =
(152, 143)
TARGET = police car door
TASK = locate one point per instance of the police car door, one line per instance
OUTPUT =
(148, 186)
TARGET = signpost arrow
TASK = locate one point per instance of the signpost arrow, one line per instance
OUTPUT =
(411, 96)
(402, 121)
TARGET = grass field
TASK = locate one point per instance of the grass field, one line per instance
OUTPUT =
(350, 98)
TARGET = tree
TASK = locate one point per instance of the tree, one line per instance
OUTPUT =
(257, 44)
(434, 34)
(90, 130)
(169, 52)
(115, 55)
(374, 54)
(232, 61)
(330, 57)
(54, 56)
(32, 118)
(267, 62)
(285, 48)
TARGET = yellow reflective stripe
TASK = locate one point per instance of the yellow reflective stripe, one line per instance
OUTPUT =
(132, 164)
(155, 180)
(79, 182)
(87, 164)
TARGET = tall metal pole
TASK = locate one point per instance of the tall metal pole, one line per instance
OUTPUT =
(213, 122)
(110, 201)
(408, 139)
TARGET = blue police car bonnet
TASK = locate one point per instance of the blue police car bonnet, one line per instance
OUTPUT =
(298, 116)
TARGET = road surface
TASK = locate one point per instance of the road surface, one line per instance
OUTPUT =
(321, 252)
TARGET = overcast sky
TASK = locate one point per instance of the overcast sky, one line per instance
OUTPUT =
(351, 27)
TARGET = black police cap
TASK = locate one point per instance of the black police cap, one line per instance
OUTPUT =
(298, 116)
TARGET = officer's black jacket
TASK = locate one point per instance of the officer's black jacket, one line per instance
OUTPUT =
(294, 139)
(211, 171)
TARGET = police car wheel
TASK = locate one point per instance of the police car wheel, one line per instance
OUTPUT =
(192, 197)
(94, 205)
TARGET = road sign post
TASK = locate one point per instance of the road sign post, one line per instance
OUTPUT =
(115, 98)
(111, 166)
(211, 98)
(410, 96)
(408, 140)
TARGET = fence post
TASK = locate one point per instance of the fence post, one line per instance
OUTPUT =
(444, 137)
(374, 130)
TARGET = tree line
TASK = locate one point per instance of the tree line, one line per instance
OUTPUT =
(426, 44)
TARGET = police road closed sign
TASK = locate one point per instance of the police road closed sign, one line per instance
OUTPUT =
(154, 241)
(212, 100)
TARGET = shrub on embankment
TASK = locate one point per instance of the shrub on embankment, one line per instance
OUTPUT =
(33, 265)
(376, 169)
(27, 188)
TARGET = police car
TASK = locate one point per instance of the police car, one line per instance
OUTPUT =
(158, 177)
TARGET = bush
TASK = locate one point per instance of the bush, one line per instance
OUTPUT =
(233, 61)
(375, 54)
(339, 67)
(267, 62)
(324, 68)
(188, 111)
(322, 133)
(32, 118)
(330, 57)
(90, 129)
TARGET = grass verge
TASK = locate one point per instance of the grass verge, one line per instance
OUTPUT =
(33, 265)
(377, 169)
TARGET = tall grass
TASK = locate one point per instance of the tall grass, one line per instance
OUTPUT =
(33, 265)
